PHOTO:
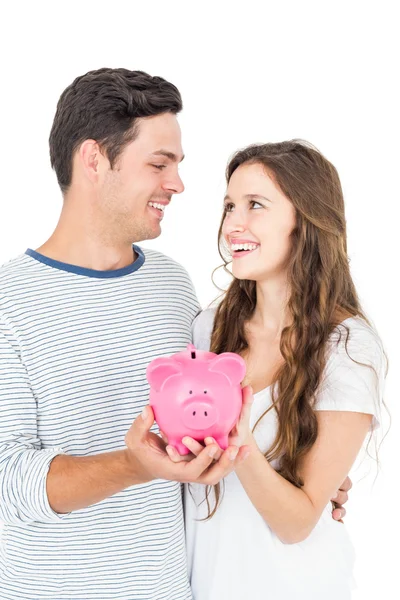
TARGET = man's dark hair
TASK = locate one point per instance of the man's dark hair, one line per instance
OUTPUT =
(104, 105)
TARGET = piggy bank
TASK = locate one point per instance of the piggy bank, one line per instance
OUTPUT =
(197, 394)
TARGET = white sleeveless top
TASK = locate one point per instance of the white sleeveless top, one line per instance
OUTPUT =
(235, 555)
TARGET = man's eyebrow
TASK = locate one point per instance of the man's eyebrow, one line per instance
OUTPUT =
(169, 155)
(250, 197)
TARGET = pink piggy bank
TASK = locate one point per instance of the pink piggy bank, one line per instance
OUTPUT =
(197, 394)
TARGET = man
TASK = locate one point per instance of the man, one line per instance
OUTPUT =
(91, 503)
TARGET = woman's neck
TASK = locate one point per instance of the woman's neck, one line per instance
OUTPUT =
(270, 314)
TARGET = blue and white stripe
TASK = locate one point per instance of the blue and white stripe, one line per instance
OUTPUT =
(74, 346)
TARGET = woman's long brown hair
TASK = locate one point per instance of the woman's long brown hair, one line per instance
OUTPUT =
(322, 294)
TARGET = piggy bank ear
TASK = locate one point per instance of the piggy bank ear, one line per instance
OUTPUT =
(161, 369)
(231, 365)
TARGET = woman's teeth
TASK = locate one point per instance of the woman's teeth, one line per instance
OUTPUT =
(236, 247)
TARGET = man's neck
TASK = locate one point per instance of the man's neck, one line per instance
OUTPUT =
(81, 239)
(87, 252)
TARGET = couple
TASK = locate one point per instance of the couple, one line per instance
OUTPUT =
(91, 502)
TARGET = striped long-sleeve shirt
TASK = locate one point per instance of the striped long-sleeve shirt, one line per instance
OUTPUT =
(74, 346)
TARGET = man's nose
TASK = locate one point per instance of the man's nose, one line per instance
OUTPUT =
(174, 185)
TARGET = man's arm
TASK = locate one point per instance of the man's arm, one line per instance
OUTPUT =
(42, 484)
(23, 462)
(77, 482)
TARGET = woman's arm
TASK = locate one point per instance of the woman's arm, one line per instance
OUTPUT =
(293, 512)
(347, 405)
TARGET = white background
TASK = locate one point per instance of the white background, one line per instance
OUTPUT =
(248, 72)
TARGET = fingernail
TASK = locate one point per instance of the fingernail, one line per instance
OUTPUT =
(145, 413)
(169, 450)
(185, 440)
(209, 440)
(233, 454)
(212, 452)
(245, 455)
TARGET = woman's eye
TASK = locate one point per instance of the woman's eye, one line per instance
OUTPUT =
(160, 167)
(254, 203)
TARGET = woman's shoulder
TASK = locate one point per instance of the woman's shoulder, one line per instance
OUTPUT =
(356, 339)
(354, 375)
(202, 328)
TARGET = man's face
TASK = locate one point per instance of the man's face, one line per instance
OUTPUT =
(134, 194)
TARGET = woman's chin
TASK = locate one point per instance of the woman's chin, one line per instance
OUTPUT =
(259, 276)
(244, 274)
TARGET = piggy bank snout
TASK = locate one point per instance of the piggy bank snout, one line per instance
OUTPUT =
(200, 414)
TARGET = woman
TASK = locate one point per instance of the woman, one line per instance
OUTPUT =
(316, 367)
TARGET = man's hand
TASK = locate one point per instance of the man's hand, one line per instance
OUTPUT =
(147, 454)
(338, 512)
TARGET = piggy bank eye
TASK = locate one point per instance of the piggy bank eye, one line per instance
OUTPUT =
(190, 392)
(205, 391)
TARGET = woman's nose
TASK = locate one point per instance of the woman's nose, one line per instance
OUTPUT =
(235, 223)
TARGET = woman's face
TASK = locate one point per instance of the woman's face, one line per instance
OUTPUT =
(258, 223)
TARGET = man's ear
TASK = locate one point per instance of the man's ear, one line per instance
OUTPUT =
(93, 161)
